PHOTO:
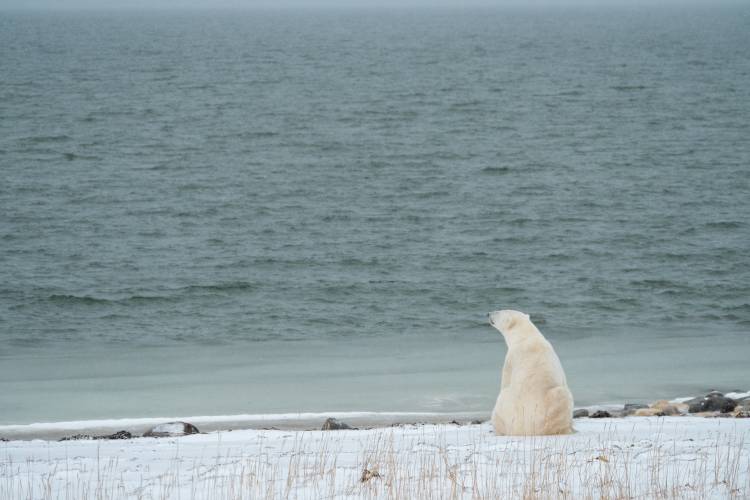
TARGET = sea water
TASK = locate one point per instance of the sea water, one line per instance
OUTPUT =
(247, 212)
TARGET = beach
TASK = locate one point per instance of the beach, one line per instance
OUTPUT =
(632, 457)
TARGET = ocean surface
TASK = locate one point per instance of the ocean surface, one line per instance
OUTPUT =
(217, 213)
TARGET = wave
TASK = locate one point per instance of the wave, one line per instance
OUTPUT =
(40, 139)
(228, 286)
(724, 225)
(76, 299)
(495, 170)
(628, 88)
(176, 294)
(74, 156)
(655, 283)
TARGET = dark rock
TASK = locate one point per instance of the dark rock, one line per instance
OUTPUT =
(116, 435)
(583, 412)
(476, 422)
(76, 437)
(332, 424)
(713, 401)
(3, 440)
(600, 414)
(172, 429)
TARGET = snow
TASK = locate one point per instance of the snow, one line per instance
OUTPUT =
(669, 457)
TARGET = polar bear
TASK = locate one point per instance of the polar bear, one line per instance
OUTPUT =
(534, 396)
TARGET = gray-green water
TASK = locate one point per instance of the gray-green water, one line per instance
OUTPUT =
(250, 212)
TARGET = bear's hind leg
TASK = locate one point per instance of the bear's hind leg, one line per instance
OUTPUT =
(558, 414)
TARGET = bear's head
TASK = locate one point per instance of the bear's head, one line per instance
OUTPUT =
(508, 320)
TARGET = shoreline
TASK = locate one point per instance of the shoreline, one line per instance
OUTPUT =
(217, 423)
(311, 421)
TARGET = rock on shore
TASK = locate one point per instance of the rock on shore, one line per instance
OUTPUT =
(713, 401)
(713, 404)
(172, 429)
(331, 424)
(116, 435)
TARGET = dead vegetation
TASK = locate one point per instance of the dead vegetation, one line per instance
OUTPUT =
(387, 464)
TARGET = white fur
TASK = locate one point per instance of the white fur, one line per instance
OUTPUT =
(534, 396)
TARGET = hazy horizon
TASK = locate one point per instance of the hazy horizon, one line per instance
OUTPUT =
(51, 5)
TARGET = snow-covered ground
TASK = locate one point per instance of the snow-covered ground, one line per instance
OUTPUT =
(647, 457)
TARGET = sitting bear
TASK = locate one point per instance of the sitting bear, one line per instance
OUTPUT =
(534, 396)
